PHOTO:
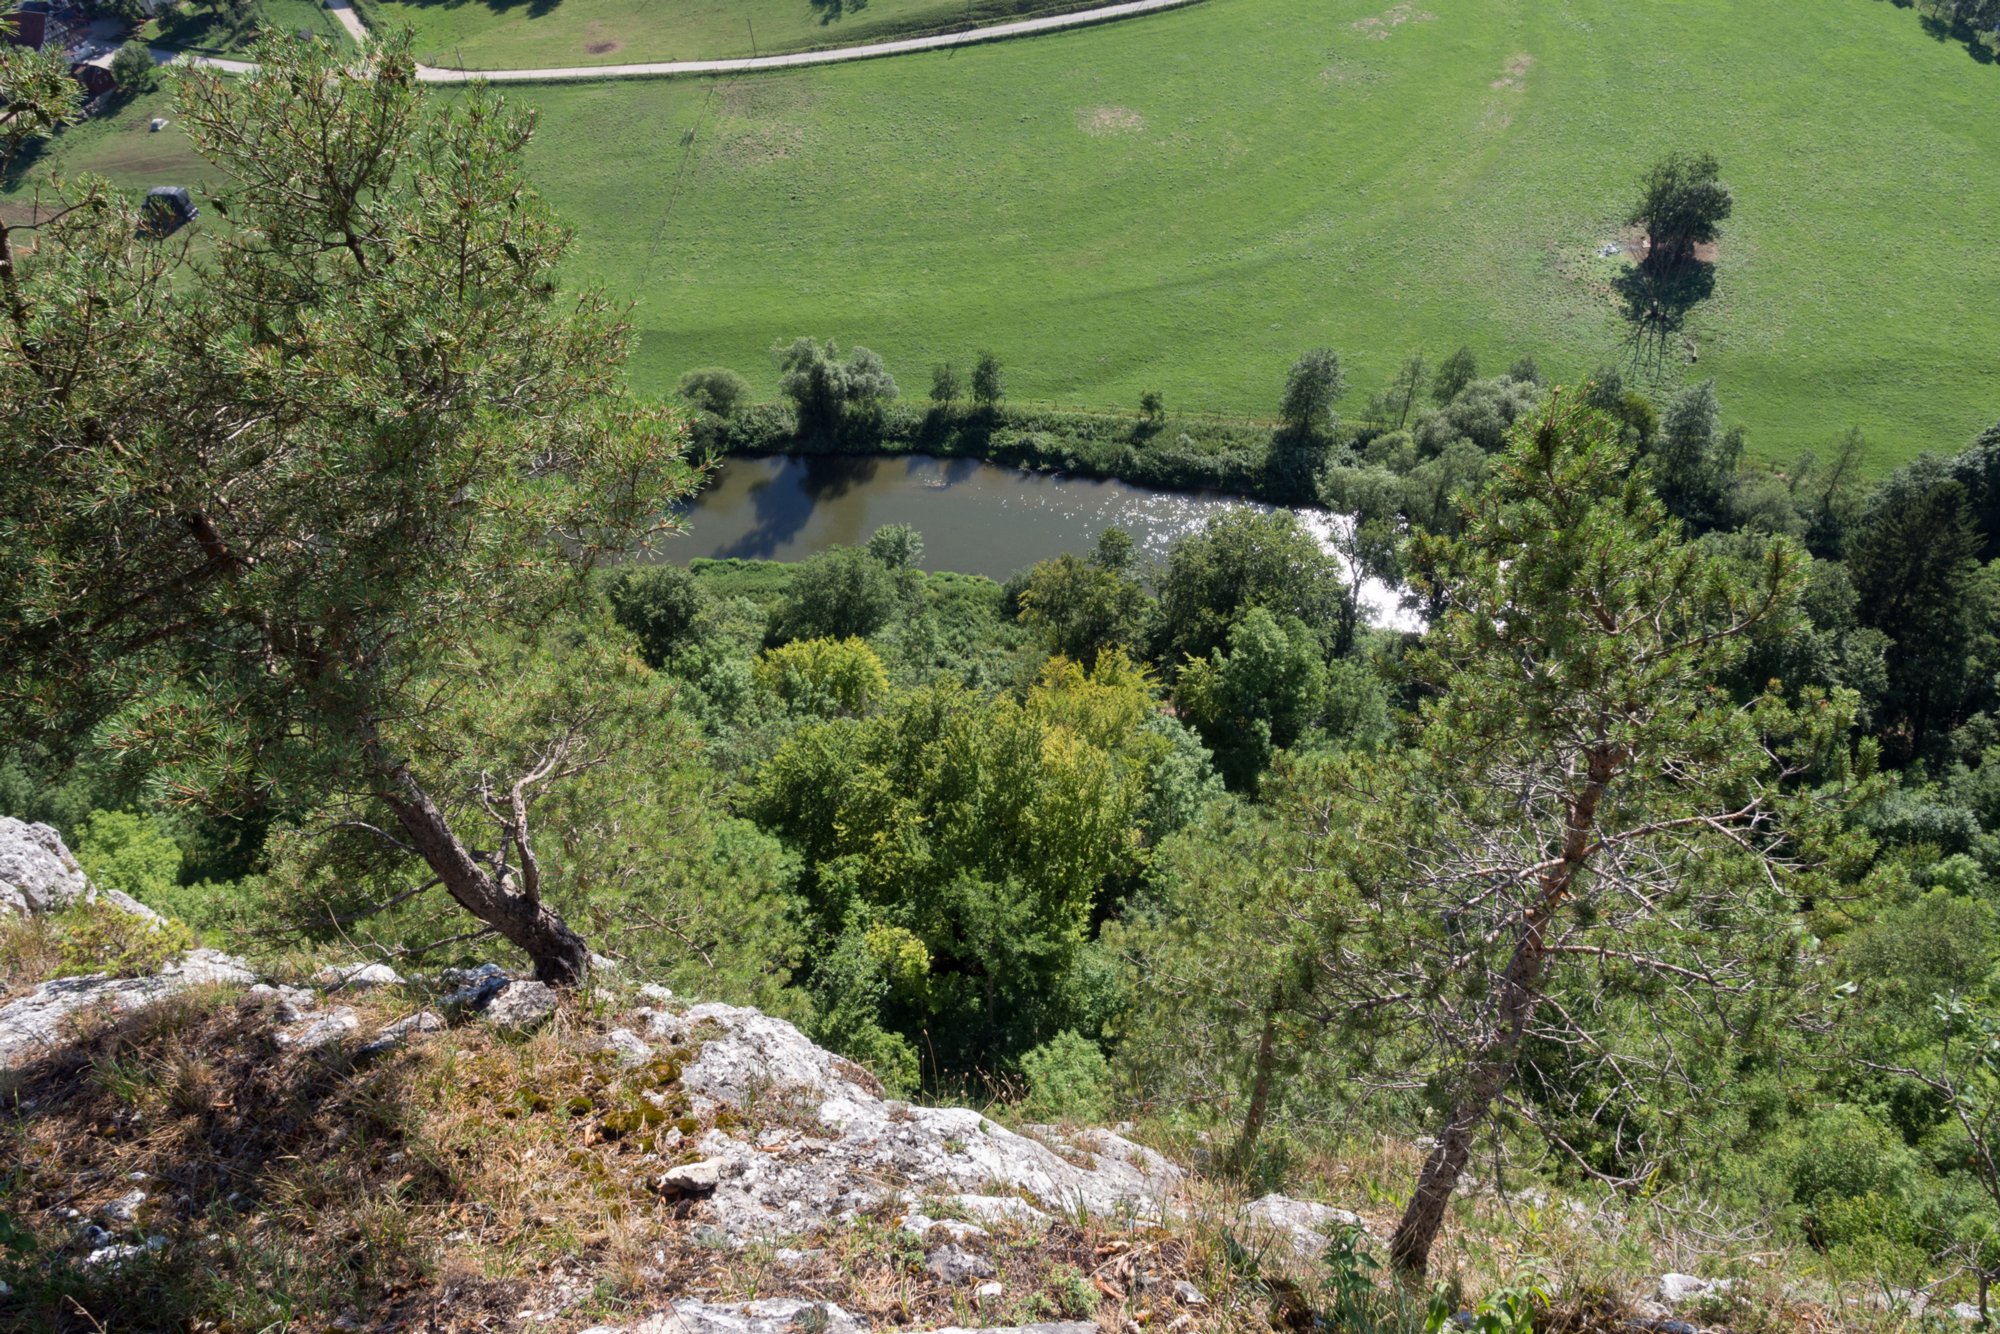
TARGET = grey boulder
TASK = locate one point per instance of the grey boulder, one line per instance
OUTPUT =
(37, 873)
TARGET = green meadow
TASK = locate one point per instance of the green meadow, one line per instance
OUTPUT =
(1183, 202)
(518, 34)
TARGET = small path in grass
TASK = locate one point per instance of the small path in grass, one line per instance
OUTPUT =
(343, 12)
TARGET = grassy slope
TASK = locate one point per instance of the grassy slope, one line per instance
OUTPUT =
(1186, 201)
(498, 34)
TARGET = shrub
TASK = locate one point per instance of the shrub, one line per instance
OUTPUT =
(824, 675)
(121, 850)
(1068, 1079)
(897, 545)
(661, 605)
(98, 937)
(715, 389)
(841, 593)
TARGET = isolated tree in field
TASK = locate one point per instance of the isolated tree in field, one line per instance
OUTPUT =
(1583, 817)
(1681, 205)
(987, 390)
(260, 508)
(1313, 386)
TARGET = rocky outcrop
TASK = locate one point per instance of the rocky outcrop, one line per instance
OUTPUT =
(1307, 1225)
(37, 873)
(833, 1146)
(35, 1023)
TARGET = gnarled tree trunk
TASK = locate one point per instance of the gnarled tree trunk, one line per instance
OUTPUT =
(1516, 997)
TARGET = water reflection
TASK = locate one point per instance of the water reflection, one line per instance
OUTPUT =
(976, 517)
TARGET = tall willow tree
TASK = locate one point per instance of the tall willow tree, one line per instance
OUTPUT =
(261, 488)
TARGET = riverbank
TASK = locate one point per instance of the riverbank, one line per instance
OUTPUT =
(1194, 454)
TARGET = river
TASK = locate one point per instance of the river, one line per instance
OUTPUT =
(976, 517)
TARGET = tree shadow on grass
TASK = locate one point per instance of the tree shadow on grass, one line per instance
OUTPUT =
(1655, 303)
(1946, 30)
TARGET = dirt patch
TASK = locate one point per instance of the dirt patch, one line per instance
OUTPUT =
(1516, 76)
(599, 40)
(1377, 27)
(1635, 244)
(1100, 121)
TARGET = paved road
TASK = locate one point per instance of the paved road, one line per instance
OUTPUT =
(343, 12)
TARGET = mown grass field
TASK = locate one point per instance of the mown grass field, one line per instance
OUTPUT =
(1185, 201)
(501, 34)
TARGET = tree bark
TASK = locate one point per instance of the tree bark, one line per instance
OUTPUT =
(1514, 1005)
(1260, 1090)
(561, 956)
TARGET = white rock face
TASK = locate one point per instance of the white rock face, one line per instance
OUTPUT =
(33, 1024)
(1309, 1226)
(37, 873)
(1678, 1288)
(628, 1047)
(320, 1030)
(852, 1148)
(520, 1007)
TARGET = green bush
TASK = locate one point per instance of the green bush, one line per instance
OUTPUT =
(661, 605)
(1068, 1080)
(715, 389)
(97, 937)
(125, 851)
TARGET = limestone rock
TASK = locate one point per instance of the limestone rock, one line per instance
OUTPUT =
(291, 1003)
(357, 976)
(989, 1294)
(849, 1148)
(1678, 1288)
(123, 1211)
(1187, 1294)
(691, 1178)
(520, 1007)
(951, 1264)
(37, 873)
(33, 1024)
(628, 1047)
(320, 1031)
(396, 1034)
(771, 1316)
(1309, 1226)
